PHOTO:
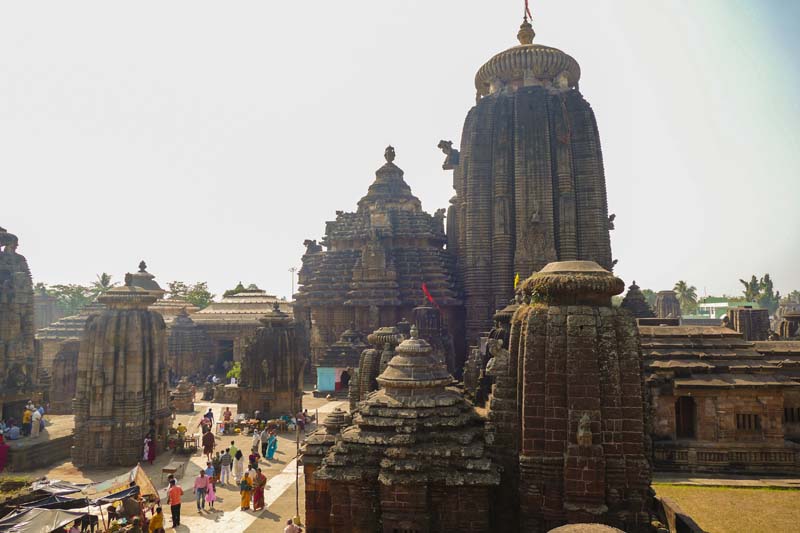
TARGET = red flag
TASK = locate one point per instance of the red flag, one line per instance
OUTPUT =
(429, 296)
(527, 11)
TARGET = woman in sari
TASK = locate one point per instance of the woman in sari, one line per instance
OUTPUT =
(238, 466)
(246, 488)
(272, 445)
(259, 484)
(149, 454)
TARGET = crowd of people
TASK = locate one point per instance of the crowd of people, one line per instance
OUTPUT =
(31, 425)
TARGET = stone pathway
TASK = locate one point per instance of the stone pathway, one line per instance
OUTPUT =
(230, 518)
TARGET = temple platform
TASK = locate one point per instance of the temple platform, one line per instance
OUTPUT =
(52, 445)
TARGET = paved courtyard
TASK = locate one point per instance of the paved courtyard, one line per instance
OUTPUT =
(280, 495)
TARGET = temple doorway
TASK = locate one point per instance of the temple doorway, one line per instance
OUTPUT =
(224, 355)
(684, 417)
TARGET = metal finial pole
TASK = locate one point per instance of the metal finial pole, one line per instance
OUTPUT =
(292, 270)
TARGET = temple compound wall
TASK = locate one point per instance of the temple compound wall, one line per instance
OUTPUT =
(122, 390)
(377, 265)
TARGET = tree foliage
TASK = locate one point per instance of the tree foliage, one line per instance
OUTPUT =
(235, 371)
(650, 296)
(762, 291)
(70, 298)
(196, 293)
(793, 297)
(236, 290)
(102, 284)
(687, 296)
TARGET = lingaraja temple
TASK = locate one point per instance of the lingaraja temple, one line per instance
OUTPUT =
(375, 264)
(529, 180)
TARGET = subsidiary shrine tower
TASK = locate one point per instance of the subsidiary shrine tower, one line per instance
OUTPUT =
(529, 180)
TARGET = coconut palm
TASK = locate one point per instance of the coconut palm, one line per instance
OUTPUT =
(687, 296)
(102, 284)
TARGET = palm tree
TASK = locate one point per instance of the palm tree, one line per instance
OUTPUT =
(687, 296)
(102, 284)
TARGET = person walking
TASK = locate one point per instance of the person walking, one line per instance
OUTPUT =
(156, 522)
(238, 466)
(200, 488)
(208, 444)
(174, 497)
(256, 439)
(225, 462)
(272, 445)
(211, 495)
(26, 421)
(245, 489)
(259, 484)
(265, 442)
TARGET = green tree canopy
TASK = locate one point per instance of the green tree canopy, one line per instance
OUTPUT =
(687, 296)
(762, 291)
(70, 298)
(650, 296)
(196, 293)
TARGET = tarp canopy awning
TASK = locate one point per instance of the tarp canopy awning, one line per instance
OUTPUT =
(60, 488)
(58, 502)
(37, 520)
(122, 482)
(121, 495)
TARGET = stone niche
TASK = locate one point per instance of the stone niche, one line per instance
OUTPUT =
(122, 391)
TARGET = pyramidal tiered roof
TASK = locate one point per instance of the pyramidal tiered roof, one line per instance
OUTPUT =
(414, 430)
(636, 303)
(382, 253)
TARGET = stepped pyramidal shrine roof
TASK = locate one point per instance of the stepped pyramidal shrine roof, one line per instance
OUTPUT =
(382, 253)
(245, 307)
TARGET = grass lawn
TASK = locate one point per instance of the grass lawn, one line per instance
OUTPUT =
(735, 510)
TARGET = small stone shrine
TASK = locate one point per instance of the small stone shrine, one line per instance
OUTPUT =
(183, 397)
(414, 457)
(636, 303)
(272, 368)
(373, 362)
(376, 265)
(667, 305)
(17, 353)
(314, 450)
(122, 391)
(753, 324)
(190, 348)
(583, 450)
(789, 325)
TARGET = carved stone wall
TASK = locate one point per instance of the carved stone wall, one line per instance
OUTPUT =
(64, 378)
(17, 329)
(122, 391)
(583, 449)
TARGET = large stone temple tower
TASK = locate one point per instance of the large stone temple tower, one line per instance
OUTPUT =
(529, 181)
(121, 393)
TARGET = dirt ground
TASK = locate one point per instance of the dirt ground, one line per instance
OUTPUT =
(737, 510)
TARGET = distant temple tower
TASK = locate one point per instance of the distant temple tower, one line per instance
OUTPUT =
(121, 393)
(529, 180)
(376, 264)
(17, 354)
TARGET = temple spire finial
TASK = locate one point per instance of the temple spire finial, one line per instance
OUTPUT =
(526, 34)
(389, 154)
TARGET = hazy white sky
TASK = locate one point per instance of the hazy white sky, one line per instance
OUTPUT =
(211, 138)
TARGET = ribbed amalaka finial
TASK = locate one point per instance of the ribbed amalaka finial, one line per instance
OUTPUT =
(526, 33)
